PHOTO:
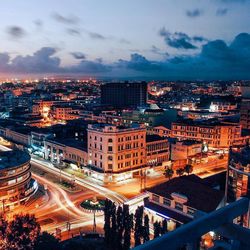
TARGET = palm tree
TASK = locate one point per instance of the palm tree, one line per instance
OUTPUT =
(188, 169)
(180, 171)
(169, 172)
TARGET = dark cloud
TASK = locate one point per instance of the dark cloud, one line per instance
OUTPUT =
(73, 32)
(69, 20)
(158, 51)
(42, 60)
(180, 40)
(38, 23)
(194, 13)
(45, 61)
(78, 55)
(97, 36)
(16, 32)
(221, 12)
(216, 60)
(89, 67)
(139, 63)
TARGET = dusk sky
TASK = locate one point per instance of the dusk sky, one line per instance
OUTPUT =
(158, 39)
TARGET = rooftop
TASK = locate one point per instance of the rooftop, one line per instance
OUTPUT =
(200, 195)
(151, 138)
(12, 159)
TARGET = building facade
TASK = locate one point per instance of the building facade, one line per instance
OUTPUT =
(245, 114)
(238, 178)
(117, 149)
(16, 184)
(119, 94)
(215, 135)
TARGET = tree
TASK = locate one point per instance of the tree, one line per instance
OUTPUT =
(138, 225)
(47, 241)
(180, 171)
(169, 173)
(120, 227)
(146, 229)
(113, 232)
(22, 232)
(157, 229)
(127, 225)
(3, 230)
(107, 222)
(188, 169)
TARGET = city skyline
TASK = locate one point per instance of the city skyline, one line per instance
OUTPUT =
(140, 39)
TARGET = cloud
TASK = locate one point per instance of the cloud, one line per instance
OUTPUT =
(69, 20)
(97, 36)
(216, 60)
(124, 41)
(158, 51)
(221, 12)
(180, 40)
(16, 32)
(194, 13)
(38, 23)
(139, 63)
(41, 61)
(78, 55)
(73, 32)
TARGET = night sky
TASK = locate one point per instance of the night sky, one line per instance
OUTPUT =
(151, 39)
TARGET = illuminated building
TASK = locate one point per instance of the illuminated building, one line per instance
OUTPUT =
(157, 151)
(238, 178)
(179, 199)
(213, 133)
(117, 151)
(186, 149)
(222, 106)
(159, 130)
(70, 151)
(245, 114)
(120, 94)
(16, 185)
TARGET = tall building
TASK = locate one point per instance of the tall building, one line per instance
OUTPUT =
(117, 149)
(238, 178)
(16, 184)
(119, 94)
(245, 114)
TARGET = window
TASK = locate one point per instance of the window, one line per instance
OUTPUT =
(110, 148)
(167, 202)
(110, 158)
(110, 166)
(156, 198)
(178, 206)
(110, 140)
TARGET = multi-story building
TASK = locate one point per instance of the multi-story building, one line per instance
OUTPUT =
(117, 149)
(179, 199)
(182, 150)
(213, 134)
(245, 114)
(64, 151)
(16, 184)
(238, 178)
(119, 94)
(157, 151)
(159, 130)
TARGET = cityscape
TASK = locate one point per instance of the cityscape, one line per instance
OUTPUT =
(125, 125)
